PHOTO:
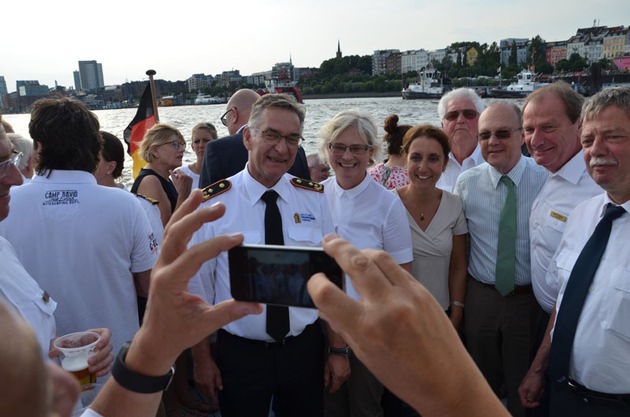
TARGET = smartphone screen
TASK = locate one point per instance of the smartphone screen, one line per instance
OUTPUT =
(271, 274)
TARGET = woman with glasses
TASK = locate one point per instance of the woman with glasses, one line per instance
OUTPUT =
(163, 148)
(202, 133)
(370, 217)
(393, 172)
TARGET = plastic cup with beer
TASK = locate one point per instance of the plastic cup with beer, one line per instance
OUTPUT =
(74, 351)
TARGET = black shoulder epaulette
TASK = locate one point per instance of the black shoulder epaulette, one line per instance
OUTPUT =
(307, 184)
(215, 189)
(150, 200)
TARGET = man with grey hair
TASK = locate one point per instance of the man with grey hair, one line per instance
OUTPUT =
(24, 145)
(586, 347)
(459, 112)
(278, 354)
(501, 314)
(227, 156)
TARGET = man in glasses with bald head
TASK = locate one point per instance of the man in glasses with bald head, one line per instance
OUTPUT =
(459, 112)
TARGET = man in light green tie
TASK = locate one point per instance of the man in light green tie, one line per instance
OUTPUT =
(501, 312)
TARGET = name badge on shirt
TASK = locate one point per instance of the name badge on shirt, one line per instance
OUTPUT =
(558, 216)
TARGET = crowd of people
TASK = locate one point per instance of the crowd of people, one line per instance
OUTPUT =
(475, 272)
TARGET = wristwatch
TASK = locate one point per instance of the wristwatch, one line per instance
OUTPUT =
(135, 382)
(345, 352)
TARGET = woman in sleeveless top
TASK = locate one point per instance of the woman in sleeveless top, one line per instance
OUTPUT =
(163, 148)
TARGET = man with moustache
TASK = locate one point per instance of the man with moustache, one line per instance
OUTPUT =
(501, 311)
(253, 363)
(227, 156)
(585, 349)
(459, 112)
(551, 123)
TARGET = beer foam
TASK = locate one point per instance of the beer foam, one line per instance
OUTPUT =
(74, 363)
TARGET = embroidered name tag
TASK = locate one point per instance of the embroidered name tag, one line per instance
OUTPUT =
(558, 216)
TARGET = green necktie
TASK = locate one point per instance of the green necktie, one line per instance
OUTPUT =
(506, 249)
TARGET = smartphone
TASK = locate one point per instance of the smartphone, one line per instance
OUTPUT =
(272, 274)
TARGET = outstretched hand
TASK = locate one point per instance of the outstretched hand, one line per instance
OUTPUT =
(400, 332)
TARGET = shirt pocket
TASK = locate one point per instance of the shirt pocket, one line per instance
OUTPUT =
(617, 318)
(305, 236)
(252, 237)
(45, 304)
(556, 221)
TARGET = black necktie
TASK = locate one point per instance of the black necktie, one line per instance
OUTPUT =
(277, 316)
(575, 293)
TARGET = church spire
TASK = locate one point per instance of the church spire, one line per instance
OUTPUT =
(338, 49)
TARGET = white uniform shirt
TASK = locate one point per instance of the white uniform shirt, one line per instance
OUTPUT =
(564, 189)
(370, 217)
(305, 219)
(454, 169)
(82, 242)
(483, 196)
(21, 291)
(601, 350)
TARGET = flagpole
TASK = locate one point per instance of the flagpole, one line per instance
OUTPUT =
(151, 73)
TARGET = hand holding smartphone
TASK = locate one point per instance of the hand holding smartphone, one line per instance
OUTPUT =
(271, 274)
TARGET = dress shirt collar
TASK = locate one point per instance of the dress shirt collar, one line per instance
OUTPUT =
(515, 174)
(474, 159)
(254, 190)
(353, 192)
(240, 129)
(66, 176)
(573, 169)
(606, 200)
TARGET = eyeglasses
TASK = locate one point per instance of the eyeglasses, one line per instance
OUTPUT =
(454, 114)
(224, 117)
(499, 134)
(340, 148)
(176, 144)
(14, 160)
(273, 137)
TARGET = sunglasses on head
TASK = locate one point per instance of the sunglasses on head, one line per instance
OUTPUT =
(454, 114)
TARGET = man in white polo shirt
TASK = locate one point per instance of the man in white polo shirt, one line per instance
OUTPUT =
(90, 247)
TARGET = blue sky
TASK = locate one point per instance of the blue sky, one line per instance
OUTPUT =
(45, 41)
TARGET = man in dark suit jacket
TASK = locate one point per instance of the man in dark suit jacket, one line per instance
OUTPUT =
(227, 156)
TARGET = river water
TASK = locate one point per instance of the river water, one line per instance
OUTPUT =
(318, 112)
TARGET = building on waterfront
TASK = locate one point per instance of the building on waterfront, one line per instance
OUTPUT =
(198, 82)
(386, 61)
(90, 76)
(555, 52)
(522, 50)
(615, 42)
(3, 90)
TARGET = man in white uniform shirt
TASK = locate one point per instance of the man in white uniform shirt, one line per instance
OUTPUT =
(551, 123)
(251, 365)
(459, 112)
(500, 324)
(90, 247)
(598, 379)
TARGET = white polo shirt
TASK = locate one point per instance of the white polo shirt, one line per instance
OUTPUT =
(370, 217)
(563, 190)
(82, 242)
(599, 359)
(305, 221)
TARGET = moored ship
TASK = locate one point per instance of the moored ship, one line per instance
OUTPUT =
(429, 86)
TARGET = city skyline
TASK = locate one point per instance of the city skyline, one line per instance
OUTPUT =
(129, 38)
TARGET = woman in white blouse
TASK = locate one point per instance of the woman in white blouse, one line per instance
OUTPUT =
(368, 216)
(437, 222)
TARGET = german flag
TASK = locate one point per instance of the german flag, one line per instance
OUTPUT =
(134, 133)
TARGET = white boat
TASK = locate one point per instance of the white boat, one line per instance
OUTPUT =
(207, 99)
(429, 85)
(525, 84)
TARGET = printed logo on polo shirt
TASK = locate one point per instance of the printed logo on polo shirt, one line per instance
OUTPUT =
(61, 197)
(303, 217)
(153, 244)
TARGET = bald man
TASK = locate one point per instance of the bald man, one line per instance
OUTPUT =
(227, 156)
